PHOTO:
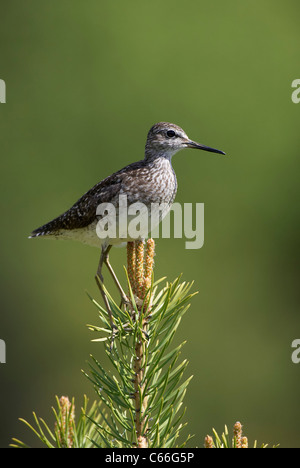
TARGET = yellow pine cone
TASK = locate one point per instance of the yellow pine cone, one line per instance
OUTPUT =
(65, 406)
(140, 267)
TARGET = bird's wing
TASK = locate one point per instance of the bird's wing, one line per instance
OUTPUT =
(83, 212)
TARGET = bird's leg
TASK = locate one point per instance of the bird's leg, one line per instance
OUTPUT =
(99, 281)
(124, 298)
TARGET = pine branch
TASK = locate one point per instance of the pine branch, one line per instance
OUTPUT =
(66, 433)
(238, 440)
(144, 393)
(141, 396)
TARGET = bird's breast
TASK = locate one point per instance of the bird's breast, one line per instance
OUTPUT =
(155, 183)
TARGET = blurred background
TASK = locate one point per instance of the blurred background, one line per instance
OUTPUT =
(85, 82)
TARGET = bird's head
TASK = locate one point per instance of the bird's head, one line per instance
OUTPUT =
(166, 139)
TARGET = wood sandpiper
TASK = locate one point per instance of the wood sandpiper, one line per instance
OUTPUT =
(151, 180)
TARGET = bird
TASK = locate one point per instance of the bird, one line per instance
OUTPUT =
(151, 180)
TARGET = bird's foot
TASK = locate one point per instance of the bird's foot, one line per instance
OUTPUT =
(125, 301)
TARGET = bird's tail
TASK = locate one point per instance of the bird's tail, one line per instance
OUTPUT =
(49, 229)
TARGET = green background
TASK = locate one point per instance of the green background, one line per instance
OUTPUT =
(85, 82)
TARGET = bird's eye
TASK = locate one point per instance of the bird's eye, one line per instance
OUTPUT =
(171, 133)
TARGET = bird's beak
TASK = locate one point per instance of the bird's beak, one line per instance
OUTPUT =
(193, 144)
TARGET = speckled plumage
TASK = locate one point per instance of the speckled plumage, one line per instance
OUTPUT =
(151, 180)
